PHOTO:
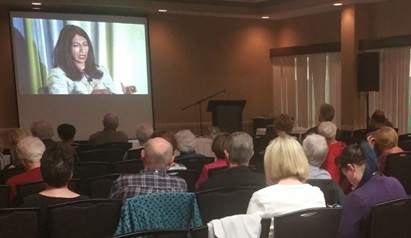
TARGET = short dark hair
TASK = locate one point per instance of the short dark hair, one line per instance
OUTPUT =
(57, 165)
(218, 145)
(284, 123)
(66, 131)
(378, 116)
(327, 112)
(352, 154)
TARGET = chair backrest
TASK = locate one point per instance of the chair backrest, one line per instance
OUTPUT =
(222, 202)
(85, 170)
(333, 193)
(82, 219)
(163, 233)
(404, 137)
(124, 146)
(195, 163)
(5, 174)
(265, 227)
(405, 145)
(19, 222)
(399, 166)
(200, 232)
(308, 223)
(134, 153)
(216, 171)
(26, 189)
(82, 147)
(4, 196)
(391, 219)
(128, 166)
(99, 187)
(190, 176)
(102, 155)
(167, 210)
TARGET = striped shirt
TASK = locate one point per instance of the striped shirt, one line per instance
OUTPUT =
(147, 181)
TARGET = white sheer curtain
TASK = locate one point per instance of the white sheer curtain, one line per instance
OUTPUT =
(303, 82)
(394, 86)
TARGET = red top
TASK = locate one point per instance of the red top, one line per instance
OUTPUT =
(31, 175)
(334, 150)
(204, 172)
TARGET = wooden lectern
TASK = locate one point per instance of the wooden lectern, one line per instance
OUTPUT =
(227, 115)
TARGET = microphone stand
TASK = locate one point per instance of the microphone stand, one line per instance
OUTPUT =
(199, 106)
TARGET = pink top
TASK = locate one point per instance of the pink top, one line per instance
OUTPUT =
(204, 172)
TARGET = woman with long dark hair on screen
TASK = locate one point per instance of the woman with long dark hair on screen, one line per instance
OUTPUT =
(75, 70)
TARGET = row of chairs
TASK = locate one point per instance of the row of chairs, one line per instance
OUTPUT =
(99, 218)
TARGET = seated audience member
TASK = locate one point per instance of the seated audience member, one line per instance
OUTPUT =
(143, 134)
(286, 170)
(326, 113)
(66, 133)
(16, 135)
(29, 150)
(239, 150)
(379, 120)
(186, 144)
(283, 124)
(157, 155)
(358, 164)
(1, 150)
(218, 147)
(329, 130)
(386, 141)
(44, 131)
(316, 149)
(56, 169)
(109, 134)
(169, 136)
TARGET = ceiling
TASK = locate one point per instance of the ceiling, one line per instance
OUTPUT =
(275, 9)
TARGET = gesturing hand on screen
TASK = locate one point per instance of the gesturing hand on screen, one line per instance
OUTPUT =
(97, 90)
(128, 89)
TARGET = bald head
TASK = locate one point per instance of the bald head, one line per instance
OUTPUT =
(110, 121)
(157, 153)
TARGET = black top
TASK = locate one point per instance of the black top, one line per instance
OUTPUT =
(240, 176)
(38, 200)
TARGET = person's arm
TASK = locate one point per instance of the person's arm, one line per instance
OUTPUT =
(353, 212)
(58, 82)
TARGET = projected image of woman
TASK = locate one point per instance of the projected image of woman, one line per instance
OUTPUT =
(75, 70)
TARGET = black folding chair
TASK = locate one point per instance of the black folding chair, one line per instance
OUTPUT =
(399, 166)
(99, 187)
(134, 153)
(124, 146)
(222, 202)
(333, 193)
(5, 174)
(308, 223)
(391, 219)
(190, 176)
(195, 163)
(102, 155)
(216, 171)
(84, 219)
(19, 222)
(4, 196)
(127, 167)
(166, 233)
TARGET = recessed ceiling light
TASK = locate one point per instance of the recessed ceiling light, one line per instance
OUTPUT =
(162, 10)
(337, 4)
(36, 8)
(265, 17)
(36, 3)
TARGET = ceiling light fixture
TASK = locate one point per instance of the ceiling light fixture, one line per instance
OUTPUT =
(265, 17)
(36, 3)
(337, 4)
(162, 10)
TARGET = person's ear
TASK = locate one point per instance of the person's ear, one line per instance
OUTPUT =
(227, 155)
(350, 167)
(143, 154)
(172, 160)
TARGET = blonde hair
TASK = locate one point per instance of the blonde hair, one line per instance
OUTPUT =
(284, 157)
(386, 138)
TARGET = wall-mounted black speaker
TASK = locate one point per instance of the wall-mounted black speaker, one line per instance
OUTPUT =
(368, 71)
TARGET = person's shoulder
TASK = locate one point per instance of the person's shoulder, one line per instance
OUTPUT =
(57, 72)
(212, 183)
